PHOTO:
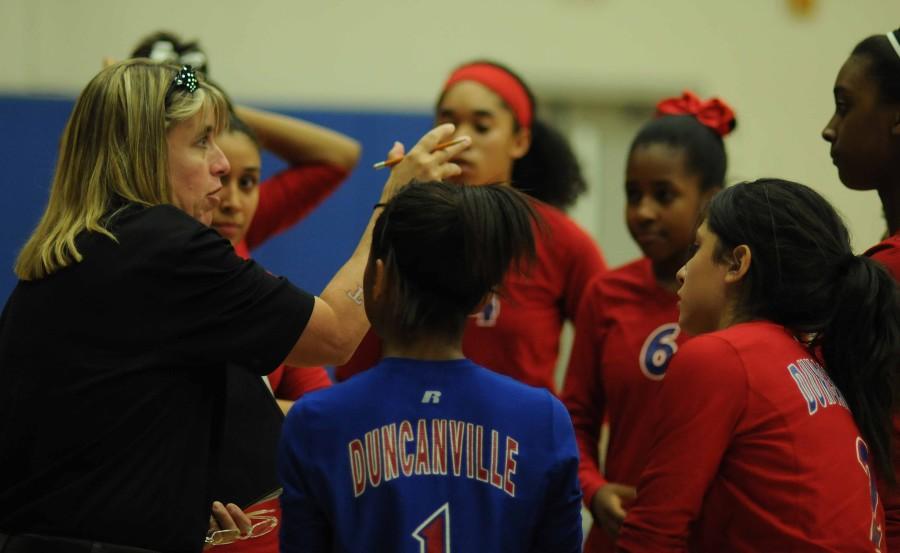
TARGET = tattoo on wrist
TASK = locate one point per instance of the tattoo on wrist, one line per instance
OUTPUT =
(356, 295)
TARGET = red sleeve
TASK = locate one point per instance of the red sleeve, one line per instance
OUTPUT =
(889, 257)
(289, 196)
(704, 393)
(275, 378)
(298, 381)
(365, 357)
(583, 261)
(583, 392)
(888, 254)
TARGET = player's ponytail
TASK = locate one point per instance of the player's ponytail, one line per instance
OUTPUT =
(804, 276)
(445, 247)
(860, 349)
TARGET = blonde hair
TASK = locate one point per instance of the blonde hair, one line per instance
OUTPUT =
(113, 150)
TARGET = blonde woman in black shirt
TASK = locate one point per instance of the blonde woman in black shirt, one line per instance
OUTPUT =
(127, 307)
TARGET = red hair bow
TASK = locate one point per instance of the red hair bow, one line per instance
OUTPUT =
(712, 113)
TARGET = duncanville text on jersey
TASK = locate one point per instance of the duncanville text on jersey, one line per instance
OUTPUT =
(433, 447)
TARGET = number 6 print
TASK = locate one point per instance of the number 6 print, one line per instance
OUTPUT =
(658, 349)
(433, 535)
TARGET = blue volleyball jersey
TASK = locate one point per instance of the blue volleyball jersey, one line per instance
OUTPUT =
(429, 457)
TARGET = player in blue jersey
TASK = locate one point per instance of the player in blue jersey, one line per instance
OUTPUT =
(429, 452)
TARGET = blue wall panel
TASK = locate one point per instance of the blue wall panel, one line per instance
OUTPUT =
(308, 254)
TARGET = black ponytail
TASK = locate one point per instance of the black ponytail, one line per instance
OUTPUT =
(860, 350)
(804, 276)
(445, 247)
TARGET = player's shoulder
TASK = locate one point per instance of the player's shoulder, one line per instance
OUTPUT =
(736, 346)
(756, 336)
(632, 282)
(519, 396)
(711, 352)
(887, 252)
(635, 275)
(340, 400)
(889, 243)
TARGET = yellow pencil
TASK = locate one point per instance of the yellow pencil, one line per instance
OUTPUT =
(442, 146)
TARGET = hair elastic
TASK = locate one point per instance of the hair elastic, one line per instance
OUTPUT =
(892, 38)
(186, 79)
(163, 51)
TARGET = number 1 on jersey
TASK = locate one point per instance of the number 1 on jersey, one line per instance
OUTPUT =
(433, 535)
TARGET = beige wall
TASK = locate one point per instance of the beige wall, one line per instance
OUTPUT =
(776, 69)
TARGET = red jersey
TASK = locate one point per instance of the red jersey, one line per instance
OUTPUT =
(292, 382)
(888, 254)
(754, 449)
(625, 333)
(517, 333)
(285, 199)
(289, 196)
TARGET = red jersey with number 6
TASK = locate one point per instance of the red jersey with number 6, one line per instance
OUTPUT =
(754, 449)
(626, 332)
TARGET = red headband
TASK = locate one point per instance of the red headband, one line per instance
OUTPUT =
(712, 113)
(500, 83)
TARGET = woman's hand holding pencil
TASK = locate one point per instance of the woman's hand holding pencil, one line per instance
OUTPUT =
(442, 146)
(429, 160)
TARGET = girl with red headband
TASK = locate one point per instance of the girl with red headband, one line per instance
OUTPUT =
(627, 326)
(864, 134)
(517, 331)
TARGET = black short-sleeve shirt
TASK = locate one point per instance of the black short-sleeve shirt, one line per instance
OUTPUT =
(112, 375)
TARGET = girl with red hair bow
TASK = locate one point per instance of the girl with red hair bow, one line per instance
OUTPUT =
(627, 326)
(516, 332)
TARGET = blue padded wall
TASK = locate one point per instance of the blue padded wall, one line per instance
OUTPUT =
(308, 254)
